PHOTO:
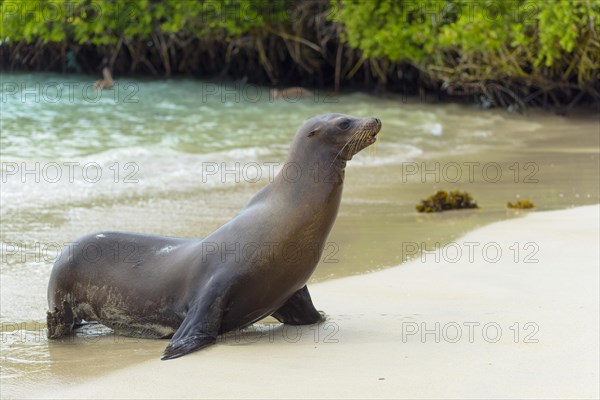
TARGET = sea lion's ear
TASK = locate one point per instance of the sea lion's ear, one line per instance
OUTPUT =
(313, 132)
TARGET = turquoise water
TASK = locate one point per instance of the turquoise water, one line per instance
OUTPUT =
(152, 143)
(69, 119)
(56, 116)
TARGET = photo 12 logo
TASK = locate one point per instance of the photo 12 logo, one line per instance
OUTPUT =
(253, 172)
(471, 252)
(264, 252)
(238, 92)
(68, 171)
(68, 92)
(50, 252)
(470, 332)
(469, 171)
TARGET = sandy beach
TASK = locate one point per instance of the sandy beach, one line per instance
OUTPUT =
(507, 311)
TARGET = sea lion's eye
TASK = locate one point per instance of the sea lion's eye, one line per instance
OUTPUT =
(313, 132)
(345, 124)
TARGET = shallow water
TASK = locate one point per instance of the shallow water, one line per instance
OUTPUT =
(156, 145)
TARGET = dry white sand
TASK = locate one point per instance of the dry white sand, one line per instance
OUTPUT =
(455, 327)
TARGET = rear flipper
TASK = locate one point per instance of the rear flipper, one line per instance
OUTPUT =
(60, 321)
(299, 310)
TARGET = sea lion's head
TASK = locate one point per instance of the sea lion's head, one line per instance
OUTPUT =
(336, 136)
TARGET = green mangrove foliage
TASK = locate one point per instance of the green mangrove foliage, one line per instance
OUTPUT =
(161, 37)
(102, 22)
(134, 26)
(502, 48)
(511, 51)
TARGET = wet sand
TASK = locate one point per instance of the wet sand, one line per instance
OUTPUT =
(521, 323)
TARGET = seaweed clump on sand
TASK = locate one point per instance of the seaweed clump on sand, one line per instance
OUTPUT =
(442, 201)
(521, 204)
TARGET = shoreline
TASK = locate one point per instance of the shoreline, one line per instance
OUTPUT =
(425, 328)
(327, 93)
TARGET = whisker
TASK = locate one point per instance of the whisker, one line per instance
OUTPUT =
(373, 149)
(340, 152)
(343, 147)
(357, 142)
(362, 138)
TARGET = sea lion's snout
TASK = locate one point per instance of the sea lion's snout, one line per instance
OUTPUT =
(371, 128)
(374, 126)
(362, 135)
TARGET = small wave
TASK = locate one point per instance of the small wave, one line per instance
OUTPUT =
(435, 129)
(137, 172)
(169, 106)
(124, 173)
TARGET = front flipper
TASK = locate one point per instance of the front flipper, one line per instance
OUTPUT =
(188, 344)
(199, 329)
(299, 310)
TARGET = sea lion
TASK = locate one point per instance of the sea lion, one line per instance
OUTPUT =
(107, 81)
(255, 265)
